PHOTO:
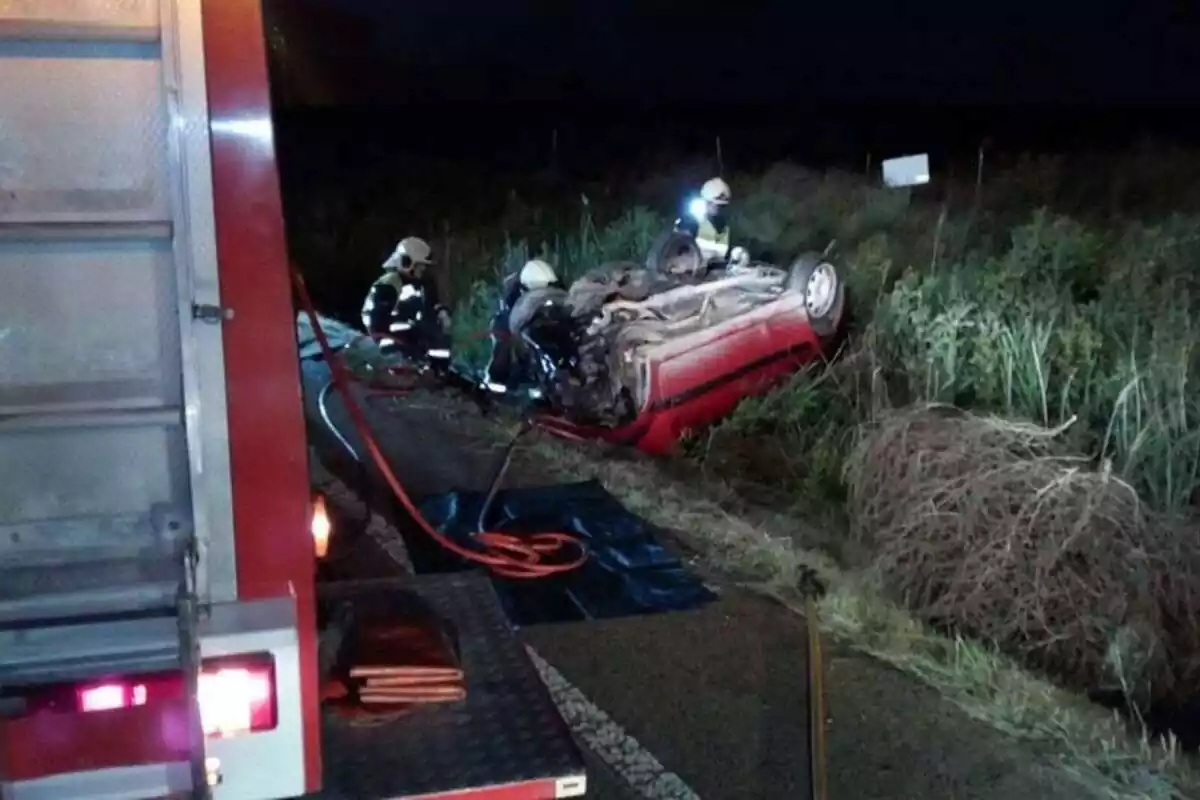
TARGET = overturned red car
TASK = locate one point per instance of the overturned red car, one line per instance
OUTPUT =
(646, 371)
(643, 355)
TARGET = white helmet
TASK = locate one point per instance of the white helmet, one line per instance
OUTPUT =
(410, 251)
(537, 274)
(716, 191)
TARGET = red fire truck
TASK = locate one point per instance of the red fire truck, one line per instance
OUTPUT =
(158, 610)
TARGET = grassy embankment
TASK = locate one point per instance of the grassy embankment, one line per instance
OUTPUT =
(1039, 547)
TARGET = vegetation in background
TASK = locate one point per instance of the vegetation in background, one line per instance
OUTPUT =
(1057, 292)
(1032, 314)
(1078, 558)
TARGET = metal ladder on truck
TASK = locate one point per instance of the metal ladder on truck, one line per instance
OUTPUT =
(103, 545)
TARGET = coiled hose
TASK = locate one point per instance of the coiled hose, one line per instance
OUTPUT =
(530, 556)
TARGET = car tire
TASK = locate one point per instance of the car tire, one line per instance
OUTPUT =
(810, 275)
(675, 253)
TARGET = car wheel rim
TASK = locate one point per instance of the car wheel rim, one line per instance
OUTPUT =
(821, 291)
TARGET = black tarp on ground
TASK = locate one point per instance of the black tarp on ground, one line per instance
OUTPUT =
(629, 570)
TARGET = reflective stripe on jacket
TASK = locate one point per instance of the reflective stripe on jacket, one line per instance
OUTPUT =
(713, 243)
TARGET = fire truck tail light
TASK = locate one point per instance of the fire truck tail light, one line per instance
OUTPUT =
(109, 696)
(236, 700)
(235, 696)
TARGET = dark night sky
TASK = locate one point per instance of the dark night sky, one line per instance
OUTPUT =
(758, 51)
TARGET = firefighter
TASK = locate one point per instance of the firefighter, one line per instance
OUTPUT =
(402, 311)
(502, 372)
(706, 220)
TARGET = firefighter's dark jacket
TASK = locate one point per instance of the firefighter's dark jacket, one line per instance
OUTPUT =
(398, 298)
(713, 232)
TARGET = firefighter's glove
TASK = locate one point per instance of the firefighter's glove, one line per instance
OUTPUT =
(810, 584)
(739, 258)
(444, 319)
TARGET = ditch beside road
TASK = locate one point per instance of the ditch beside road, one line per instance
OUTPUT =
(711, 701)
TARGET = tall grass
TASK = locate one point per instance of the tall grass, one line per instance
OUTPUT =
(1057, 288)
(1044, 317)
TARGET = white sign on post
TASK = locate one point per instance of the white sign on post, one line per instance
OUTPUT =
(906, 171)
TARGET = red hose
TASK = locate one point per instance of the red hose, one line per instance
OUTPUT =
(505, 555)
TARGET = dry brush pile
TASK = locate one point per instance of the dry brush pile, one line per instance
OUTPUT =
(985, 527)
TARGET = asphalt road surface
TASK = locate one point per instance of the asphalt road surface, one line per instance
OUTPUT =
(711, 703)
